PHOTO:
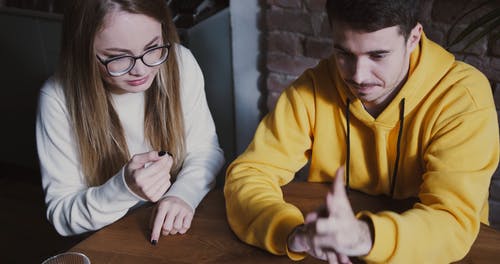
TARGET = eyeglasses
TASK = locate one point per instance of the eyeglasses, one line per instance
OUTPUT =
(121, 65)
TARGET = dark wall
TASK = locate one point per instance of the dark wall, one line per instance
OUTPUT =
(29, 49)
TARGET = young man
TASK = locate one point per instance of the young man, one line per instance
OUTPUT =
(404, 118)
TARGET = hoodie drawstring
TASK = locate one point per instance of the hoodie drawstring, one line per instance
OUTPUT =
(348, 145)
(398, 144)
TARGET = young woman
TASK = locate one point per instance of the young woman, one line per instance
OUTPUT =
(124, 121)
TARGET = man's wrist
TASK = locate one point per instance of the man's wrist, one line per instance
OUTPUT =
(295, 240)
(367, 235)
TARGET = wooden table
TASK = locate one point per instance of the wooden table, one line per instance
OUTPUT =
(210, 239)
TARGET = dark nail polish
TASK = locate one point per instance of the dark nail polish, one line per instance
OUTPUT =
(161, 153)
(170, 154)
(154, 242)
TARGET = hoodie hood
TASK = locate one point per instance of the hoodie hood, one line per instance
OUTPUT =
(419, 83)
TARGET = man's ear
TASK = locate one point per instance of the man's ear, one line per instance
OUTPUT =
(414, 37)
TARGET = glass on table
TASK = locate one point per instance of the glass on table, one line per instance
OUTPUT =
(68, 258)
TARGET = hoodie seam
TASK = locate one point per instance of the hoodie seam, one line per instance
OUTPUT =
(446, 121)
(311, 121)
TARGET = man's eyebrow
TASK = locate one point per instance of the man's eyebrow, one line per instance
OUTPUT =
(371, 52)
(129, 51)
(379, 52)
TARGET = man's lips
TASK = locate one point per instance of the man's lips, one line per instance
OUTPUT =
(363, 88)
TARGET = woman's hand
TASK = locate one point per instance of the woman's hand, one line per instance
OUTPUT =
(171, 215)
(148, 174)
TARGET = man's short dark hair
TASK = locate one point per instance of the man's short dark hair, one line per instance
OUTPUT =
(373, 15)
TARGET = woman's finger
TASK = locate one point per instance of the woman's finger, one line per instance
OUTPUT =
(332, 257)
(169, 222)
(159, 219)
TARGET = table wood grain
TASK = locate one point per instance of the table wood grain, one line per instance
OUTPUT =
(210, 239)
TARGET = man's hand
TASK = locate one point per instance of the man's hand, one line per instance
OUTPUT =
(333, 233)
(302, 240)
(341, 230)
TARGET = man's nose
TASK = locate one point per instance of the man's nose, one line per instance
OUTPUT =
(360, 71)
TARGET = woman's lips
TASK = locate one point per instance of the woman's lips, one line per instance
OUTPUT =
(138, 81)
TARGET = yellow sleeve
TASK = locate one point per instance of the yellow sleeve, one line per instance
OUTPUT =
(256, 210)
(459, 163)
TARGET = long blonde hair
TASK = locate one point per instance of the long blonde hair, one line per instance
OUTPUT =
(97, 128)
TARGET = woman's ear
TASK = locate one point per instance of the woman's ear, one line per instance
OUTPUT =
(414, 37)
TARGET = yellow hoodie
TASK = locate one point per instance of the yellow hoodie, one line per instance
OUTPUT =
(449, 149)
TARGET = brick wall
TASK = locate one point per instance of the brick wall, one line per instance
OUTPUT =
(297, 35)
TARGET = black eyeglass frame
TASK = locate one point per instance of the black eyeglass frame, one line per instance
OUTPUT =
(135, 58)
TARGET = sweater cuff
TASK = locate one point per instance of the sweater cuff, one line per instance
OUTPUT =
(384, 237)
(125, 186)
(296, 256)
(283, 231)
(187, 192)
